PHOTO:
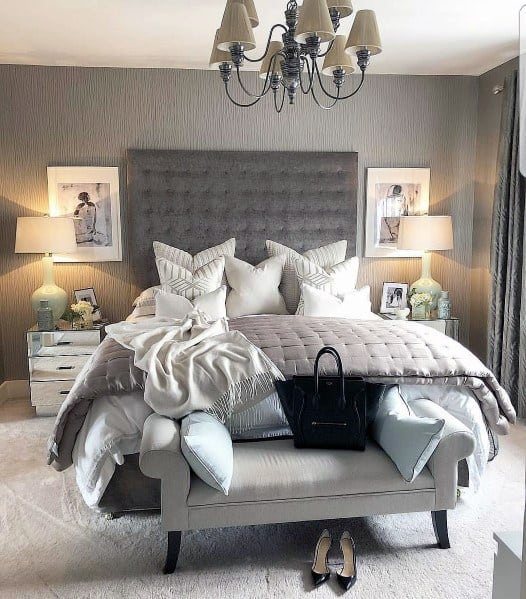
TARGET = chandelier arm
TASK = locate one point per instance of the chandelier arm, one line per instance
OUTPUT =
(311, 77)
(268, 43)
(329, 48)
(334, 102)
(338, 97)
(267, 81)
(278, 110)
(238, 103)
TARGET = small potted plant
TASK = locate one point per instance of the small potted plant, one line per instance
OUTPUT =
(421, 305)
(80, 315)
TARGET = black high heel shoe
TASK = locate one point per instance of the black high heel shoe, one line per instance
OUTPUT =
(347, 575)
(320, 569)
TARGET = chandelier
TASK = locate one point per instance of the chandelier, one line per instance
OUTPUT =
(291, 65)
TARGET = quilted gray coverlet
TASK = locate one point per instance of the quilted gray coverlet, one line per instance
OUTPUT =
(380, 351)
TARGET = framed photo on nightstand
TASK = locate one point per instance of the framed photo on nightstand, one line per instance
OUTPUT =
(394, 297)
(88, 295)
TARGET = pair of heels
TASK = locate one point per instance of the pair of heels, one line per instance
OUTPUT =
(320, 567)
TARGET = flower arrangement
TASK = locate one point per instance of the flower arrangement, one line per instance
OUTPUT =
(80, 314)
(420, 299)
(421, 305)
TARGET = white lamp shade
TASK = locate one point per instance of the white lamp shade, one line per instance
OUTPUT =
(425, 233)
(337, 58)
(217, 56)
(314, 20)
(268, 63)
(235, 28)
(365, 34)
(344, 7)
(45, 234)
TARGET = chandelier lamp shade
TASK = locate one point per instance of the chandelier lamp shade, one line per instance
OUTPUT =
(289, 65)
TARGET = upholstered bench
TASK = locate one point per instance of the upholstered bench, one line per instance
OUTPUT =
(274, 482)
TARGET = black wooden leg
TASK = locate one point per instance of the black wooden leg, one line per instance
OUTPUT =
(174, 545)
(440, 528)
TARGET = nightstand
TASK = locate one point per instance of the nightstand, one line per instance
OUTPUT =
(448, 326)
(55, 359)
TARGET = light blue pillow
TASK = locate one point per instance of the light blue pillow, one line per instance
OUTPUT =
(207, 447)
(406, 438)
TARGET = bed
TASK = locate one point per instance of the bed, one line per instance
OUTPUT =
(198, 199)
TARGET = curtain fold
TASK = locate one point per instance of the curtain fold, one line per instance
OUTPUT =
(506, 334)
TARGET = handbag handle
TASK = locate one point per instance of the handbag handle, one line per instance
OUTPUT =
(331, 351)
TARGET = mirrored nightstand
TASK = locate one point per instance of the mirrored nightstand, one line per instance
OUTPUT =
(448, 326)
(55, 359)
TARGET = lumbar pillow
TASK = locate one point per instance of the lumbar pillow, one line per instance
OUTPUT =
(255, 289)
(406, 438)
(207, 447)
(179, 280)
(193, 263)
(355, 304)
(171, 305)
(338, 280)
(325, 256)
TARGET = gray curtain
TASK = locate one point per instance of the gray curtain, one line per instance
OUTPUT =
(506, 340)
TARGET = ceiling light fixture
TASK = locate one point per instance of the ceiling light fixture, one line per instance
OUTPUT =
(292, 64)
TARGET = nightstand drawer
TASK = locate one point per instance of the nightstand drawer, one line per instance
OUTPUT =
(59, 368)
(49, 394)
(62, 343)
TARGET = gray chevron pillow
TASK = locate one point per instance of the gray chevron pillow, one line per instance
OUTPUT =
(179, 280)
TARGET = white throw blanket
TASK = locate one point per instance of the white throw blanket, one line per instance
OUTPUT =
(193, 364)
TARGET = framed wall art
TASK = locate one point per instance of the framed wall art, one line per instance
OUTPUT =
(90, 195)
(391, 194)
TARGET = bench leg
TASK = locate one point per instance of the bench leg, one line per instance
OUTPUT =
(174, 545)
(440, 528)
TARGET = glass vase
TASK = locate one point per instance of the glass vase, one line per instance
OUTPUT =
(421, 312)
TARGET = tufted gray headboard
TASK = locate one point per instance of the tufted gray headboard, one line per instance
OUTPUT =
(196, 199)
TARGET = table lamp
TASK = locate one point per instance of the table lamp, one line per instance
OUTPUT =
(426, 234)
(45, 235)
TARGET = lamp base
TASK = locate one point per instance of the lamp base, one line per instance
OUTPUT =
(428, 285)
(56, 296)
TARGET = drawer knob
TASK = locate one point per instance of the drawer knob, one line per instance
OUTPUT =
(65, 367)
(64, 343)
(63, 392)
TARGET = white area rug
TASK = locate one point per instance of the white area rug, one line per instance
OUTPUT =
(52, 545)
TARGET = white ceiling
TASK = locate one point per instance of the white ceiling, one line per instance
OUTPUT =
(419, 36)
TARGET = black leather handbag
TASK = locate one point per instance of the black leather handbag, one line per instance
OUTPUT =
(329, 411)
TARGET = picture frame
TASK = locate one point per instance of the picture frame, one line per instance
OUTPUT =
(394, 297)
(91, 196)
(392, 193)
(88, 295)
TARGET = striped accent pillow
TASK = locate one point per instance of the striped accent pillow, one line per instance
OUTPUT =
(179, 280)
(193, 263)
(338, 280)
(325, 256)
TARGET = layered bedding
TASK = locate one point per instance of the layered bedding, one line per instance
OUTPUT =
(102, 419)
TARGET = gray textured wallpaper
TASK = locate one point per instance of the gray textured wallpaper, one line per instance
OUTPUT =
(75, 116)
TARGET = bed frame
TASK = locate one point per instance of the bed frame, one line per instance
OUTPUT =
(197, 199)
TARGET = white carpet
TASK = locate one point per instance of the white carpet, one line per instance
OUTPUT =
(52, 545)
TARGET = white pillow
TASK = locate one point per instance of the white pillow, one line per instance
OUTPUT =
(338, 280)
(207, 447)
(144, 304)
(355, 304)
(193, 263)
(255, 289)
(172, 305)
(179, 280)
(324, 256)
